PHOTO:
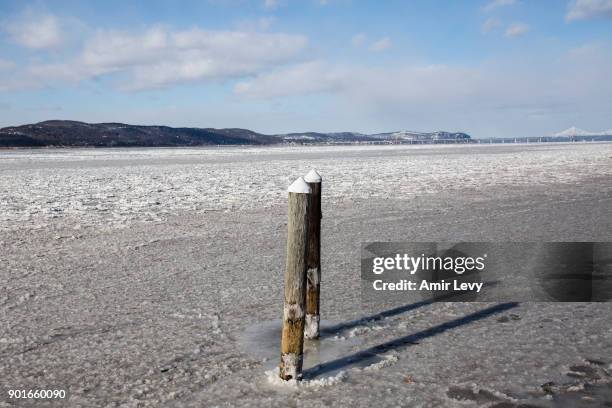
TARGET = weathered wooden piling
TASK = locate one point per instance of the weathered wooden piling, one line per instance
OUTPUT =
(292, 340)
(313, 257)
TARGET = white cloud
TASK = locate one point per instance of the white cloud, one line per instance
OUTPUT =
(516, 30)
(511, 91)
(403, 81)
(491, 24)
(36, 31)
(588, 9)
(159, 57)
(300, 79)
(358, 40)
(271, 4)
(381, 45)
(492, 5)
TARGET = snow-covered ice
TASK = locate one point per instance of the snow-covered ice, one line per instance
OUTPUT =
(116, 187)
(135, 277)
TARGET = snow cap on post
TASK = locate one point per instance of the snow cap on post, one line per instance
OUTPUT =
(313, 177)
(299, 186)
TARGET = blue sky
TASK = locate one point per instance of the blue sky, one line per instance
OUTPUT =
(490, 68)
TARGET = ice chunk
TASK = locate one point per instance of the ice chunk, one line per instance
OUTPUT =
(273, 378)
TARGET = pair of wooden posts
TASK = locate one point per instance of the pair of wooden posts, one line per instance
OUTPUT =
(303, 273)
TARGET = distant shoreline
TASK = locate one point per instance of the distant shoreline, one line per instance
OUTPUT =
(281, 145)
(73, 134)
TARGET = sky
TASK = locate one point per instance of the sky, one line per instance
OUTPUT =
(490, 68)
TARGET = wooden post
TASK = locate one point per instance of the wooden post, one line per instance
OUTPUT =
(313, 258)
(292, 340)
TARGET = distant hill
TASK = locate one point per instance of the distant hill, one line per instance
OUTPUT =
(315, 137)
(416, 137)
(66, 133)
(574, 131)
(572, 134)
(71, 133)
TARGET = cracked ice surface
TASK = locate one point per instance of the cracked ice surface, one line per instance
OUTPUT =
(168, 312)
(117, 187)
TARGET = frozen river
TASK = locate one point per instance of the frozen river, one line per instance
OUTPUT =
(139, 277)
(115, 187)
